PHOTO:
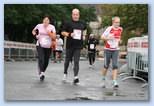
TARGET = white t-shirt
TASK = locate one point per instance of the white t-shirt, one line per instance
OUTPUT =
(59, 44)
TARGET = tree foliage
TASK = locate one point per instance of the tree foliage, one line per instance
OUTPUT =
(134, 18)
(20, 19)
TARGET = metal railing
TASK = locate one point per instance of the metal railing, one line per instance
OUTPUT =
(17, 50)
(26, 51)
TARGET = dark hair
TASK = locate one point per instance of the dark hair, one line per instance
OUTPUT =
(50, 19)
(46, 16)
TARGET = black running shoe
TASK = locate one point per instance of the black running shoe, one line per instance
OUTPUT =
(76, 81)
(42, 78)
(116, 86)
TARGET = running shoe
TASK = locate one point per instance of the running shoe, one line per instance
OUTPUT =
(103, 84)
(76, 80)
(115, 84)
(42, 76)
(64, 78)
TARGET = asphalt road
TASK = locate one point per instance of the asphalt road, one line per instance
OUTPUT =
(22, 83)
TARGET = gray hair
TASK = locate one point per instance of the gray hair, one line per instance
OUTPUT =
(75, 10)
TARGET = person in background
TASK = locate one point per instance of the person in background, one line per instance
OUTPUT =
(112, 38)
(44, 33)
(92, 43)
(59, 48)
(53, 49)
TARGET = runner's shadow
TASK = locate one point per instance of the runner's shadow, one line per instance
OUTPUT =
(113, 92)
(40, 84)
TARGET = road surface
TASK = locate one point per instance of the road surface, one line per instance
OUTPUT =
(22, 83)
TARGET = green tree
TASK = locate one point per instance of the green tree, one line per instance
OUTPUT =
(20, 19)
(134, 18)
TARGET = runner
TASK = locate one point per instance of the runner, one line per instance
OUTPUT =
(46, 32)
(112, 38)
(73, 30)
(92, 42)
(53, 50)
(59, 48)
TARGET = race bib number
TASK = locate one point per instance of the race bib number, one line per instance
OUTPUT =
(92, 46)
(113, 43)
(77, 34)
(45, 41)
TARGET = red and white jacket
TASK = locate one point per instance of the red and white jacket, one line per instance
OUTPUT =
(112, 44)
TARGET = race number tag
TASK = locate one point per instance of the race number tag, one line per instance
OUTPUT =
(92, 46)
(45, 41)
(77, 34)
(113, 43)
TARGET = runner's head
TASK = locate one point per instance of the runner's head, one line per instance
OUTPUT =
(116, 21)
(46, 21)
(91, 36)
(58, 36)
(75, 14)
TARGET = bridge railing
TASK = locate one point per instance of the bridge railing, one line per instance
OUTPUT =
(18, 50)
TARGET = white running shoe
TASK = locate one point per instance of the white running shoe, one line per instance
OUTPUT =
(64, 78)
(42, 76)
(90, 66)
(76, 80)
(103, 84)
(93, 66)
(115, 84)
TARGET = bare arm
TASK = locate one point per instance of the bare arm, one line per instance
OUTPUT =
(65, 34)
(34, 32)
(104, 38)
(52, 35)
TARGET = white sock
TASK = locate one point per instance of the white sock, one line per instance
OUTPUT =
(76, 77)
(42, 73)
(115, 82)
(103, 78)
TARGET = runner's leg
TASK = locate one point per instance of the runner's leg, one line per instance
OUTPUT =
(115, 56)
(76, 61)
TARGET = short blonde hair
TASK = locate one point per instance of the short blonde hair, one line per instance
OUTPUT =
(115, 17)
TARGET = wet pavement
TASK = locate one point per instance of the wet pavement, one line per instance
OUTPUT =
(22, 83)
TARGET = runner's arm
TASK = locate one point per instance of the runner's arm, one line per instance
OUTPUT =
(65, 34)
(52, 35)
(34, 32)
(106, 35)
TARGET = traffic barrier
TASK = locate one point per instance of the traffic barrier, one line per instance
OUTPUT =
(137, 58)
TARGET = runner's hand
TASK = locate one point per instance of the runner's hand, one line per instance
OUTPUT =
(34, 32)
(72, 34)
(84, 38)
(65, 34)
(110, 37)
